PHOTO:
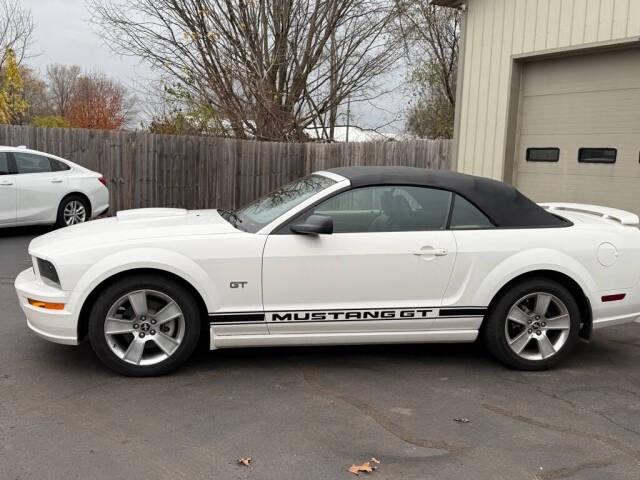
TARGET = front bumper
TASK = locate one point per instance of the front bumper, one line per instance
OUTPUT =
(59, 326)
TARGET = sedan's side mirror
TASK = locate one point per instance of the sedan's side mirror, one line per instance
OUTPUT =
(314, 225)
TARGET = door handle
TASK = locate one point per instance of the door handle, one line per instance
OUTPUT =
(56, 180)
(6, 182)
(432, 252)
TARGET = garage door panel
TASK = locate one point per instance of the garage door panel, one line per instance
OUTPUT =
(604, 71)
(627, 162)
(617, 192)
(586, 101)
(591, 113)
(600, 170)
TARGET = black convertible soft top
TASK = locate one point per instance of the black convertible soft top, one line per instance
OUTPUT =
(502, 204)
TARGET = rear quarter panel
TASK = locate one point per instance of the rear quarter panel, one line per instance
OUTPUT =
(88, 184)
(489, 259)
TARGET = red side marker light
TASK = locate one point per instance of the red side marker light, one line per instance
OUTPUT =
(102, 181)
(614, 298)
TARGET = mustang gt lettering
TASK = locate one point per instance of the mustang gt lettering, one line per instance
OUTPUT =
(352, 315)
(352, 255)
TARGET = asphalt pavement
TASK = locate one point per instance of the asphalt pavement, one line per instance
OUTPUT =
(310, 413)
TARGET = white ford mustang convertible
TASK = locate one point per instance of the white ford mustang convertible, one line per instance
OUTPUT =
(351, 255)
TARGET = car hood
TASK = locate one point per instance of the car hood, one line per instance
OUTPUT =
(131, 225)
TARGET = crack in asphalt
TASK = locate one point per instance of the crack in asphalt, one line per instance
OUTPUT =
(566, 472)
(618, 424)
(605, 389)
(612, 442)
(311, 378)
(547, 392)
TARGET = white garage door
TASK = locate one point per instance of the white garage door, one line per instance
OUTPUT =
(579, 130)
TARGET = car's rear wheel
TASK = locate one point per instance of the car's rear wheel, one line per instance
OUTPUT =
(533, 325)
(144, 325)
(72, 210)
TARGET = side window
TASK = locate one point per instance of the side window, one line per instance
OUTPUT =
(30, 163)
(387, 209)
(551, 154)
(467, 216)
(58, 166)
(597, 155)
(4, 164)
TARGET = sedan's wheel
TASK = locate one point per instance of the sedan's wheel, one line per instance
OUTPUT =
(144, 326)
(533, 325)
(72, 211)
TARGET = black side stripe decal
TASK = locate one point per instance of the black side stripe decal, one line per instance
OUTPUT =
(237, 318)
(462, 312)
(254, 317)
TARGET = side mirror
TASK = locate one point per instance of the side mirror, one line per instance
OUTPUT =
(314, 225)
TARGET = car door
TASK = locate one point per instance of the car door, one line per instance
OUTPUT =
(385, 267)
(480, 247)
(39, 188)
(7, 191)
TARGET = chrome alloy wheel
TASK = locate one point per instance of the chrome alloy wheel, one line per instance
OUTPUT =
(537, 326)
(144, 327)
(74, 212)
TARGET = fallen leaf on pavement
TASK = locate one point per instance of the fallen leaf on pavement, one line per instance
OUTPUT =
(462, 420)
(245, 461)
(365, 467)
(375, 460)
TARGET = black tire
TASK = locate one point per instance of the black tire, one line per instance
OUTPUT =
(60, 221)
(495, 327)
(190, 326)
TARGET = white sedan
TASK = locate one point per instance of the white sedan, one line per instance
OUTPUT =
(352, 255)
(39, 188)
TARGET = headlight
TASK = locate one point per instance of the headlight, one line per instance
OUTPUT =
(48, 272)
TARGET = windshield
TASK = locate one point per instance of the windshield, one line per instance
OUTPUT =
(268, 208)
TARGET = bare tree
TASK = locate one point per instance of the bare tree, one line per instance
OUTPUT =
(16, 29)
(431, 36)
(270, 68)
(36, 95)
(62, 81)
(167, 108)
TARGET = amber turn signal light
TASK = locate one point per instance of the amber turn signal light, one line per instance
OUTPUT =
(47, 305)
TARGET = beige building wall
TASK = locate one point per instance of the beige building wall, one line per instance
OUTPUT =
(498, 30)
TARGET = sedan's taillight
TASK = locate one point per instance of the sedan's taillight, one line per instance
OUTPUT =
(103, 181)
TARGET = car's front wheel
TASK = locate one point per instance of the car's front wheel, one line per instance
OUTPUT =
(533, 325)
(144, 325)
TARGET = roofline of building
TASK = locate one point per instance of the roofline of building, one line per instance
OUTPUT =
(448, 3)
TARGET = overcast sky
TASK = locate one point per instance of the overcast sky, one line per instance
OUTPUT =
(65, 35)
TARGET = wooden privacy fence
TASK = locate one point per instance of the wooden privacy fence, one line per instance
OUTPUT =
(148, 170)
